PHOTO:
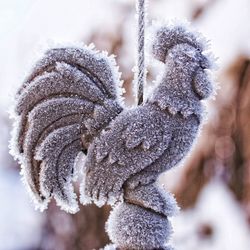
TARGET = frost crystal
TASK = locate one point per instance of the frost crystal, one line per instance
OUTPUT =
(69, 97)
(70, 103)
(134, 227)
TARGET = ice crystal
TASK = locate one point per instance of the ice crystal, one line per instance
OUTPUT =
(70, 103)
(69, 97)
(134, 227)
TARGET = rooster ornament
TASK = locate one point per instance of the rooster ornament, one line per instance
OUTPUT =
(70, 103)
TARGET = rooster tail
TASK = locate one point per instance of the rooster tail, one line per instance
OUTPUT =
(70, 95)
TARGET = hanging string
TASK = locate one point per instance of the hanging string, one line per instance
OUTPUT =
(141, 69)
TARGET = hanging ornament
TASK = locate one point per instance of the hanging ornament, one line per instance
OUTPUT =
(71, 103)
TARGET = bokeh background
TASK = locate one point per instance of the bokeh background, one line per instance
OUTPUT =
(213, 185)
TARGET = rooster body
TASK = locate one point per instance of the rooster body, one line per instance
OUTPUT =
(70, 103)
(134, 149)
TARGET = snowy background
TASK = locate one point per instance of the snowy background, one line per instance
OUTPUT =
(216, 210)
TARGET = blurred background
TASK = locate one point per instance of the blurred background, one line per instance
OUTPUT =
(213, 185)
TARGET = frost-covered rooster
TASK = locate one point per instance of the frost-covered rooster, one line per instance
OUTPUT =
(70, 103)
